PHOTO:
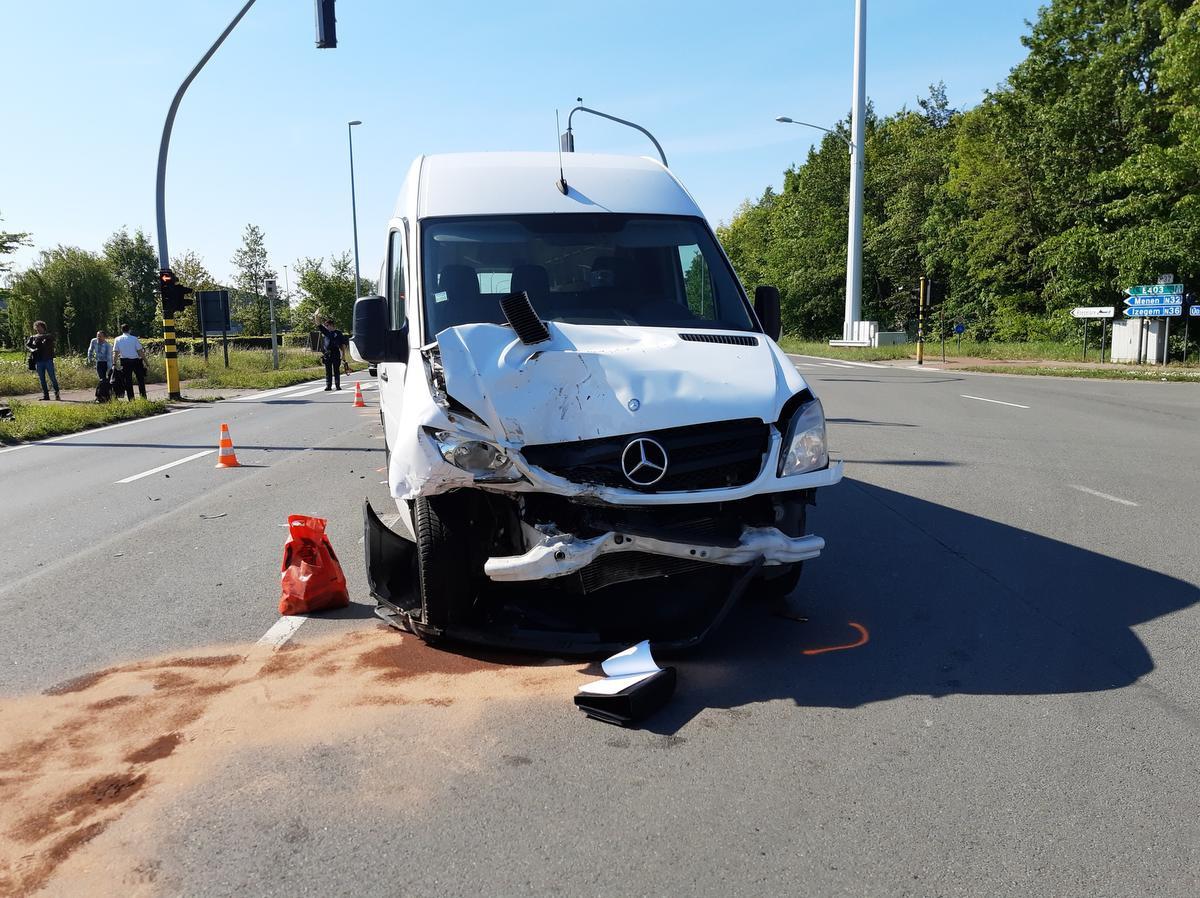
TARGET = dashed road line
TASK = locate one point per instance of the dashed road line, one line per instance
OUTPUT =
(282, 630)
(996, 401)
(170, 464)
(1091, 492)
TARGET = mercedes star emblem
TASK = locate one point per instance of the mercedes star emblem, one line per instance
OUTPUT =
(634, 404)
(644, 462)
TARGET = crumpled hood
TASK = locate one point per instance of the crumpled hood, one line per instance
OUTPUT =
(593, 381)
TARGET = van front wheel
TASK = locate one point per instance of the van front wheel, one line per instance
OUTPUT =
(446, 570)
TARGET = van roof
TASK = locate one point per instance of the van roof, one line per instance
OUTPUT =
(526, 183)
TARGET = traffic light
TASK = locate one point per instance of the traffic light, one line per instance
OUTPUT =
(326, 25)
(174, 295)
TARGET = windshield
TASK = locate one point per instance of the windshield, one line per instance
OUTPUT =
(604, 268)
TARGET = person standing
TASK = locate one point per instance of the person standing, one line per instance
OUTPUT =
(128, 350)
(100, 354)
(331, 353)
(41, 349)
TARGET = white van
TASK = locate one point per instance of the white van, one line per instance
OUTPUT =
(592, 435)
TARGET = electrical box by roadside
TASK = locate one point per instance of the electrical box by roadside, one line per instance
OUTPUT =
(1131, 335)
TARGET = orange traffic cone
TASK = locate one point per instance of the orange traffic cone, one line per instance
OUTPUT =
(358, 400)
(225, 455)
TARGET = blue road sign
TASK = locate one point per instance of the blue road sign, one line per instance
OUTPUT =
(959, 328)
(1194, 311)
(1155, 290)
(1154, 311)
(1151, 300)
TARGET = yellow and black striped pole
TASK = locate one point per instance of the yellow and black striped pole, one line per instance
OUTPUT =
(171, 357)
(174, 298)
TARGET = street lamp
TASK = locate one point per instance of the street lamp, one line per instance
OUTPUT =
(854, 243)
(844, 139)
(850, 329)
(353, 201)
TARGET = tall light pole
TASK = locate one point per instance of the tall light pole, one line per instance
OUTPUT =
(353, 201)
(857, 169)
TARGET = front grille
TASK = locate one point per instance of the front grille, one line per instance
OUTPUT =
(699, 457)
(622, 567)
(731, 339)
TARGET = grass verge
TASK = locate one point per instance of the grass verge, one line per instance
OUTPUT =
(1157, 375)
(248, 369)
(38, 420)
(853, 353)
(222, 378)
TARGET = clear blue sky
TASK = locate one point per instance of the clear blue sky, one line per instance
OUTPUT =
(261, 134)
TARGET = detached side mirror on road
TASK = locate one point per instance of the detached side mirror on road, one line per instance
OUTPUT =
(766, 306)
(374, 339)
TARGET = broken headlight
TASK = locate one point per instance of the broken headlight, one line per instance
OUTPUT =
(486, 462)
(804, 446)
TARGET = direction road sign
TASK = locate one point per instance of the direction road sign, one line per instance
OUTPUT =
(1152, 300)
(1154, 312)
(214, 310)
(1093, 312)
(1155, 290)
(1194, 311)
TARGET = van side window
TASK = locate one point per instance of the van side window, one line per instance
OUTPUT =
(395, 287)
(697, 282)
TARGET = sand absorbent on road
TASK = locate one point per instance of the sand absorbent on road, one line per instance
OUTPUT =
(88, 767)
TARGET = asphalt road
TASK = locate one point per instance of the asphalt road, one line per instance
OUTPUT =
(1022, 552)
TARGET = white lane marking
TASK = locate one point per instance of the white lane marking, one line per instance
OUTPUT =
(169, 464)
(87, 433)
(922, 368)
(270, 393)
(1084, 489)
(996, 401)
(836, 365)
(282, 630)
(308, 392)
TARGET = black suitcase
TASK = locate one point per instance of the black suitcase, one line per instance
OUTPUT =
(104, 390)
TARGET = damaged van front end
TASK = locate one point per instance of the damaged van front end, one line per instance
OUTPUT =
(591, 437)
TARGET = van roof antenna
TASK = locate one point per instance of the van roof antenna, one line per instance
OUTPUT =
(561, 184)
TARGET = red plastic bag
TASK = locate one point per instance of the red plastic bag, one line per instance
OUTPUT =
(312, 577)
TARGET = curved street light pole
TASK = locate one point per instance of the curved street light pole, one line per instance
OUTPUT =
(353, 202)
(160, 208)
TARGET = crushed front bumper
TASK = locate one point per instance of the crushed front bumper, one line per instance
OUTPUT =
(562, 554)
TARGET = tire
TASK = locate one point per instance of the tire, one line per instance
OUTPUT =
(784, 584)
(448, 570)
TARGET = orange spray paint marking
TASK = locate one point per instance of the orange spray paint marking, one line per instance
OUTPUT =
(863, 638)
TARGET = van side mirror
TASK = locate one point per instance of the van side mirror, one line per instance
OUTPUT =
(374, 340)
(766, 306)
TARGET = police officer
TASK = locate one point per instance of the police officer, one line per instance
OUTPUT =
(331, 351)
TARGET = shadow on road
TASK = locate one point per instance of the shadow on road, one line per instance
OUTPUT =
(952, 602)
(77, 444)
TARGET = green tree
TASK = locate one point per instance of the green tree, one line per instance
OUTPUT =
(329, 288)
(249, 305)
(134, 261)
(72, 290)
(190, 271)
(9, 241)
